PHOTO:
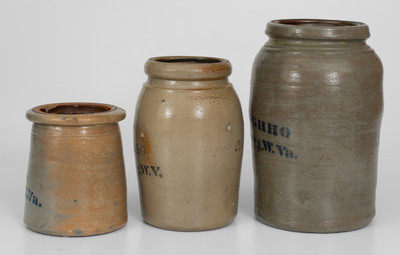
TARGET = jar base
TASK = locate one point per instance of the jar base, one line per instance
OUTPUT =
(324, 227)
(172, 227)
(77, 232)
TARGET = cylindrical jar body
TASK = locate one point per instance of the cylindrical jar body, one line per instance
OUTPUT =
(76, 177)
(188, 144)
(316, 108)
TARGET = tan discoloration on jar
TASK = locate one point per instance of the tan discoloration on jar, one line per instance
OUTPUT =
(188, 140)
(316, 108)
(76, 178)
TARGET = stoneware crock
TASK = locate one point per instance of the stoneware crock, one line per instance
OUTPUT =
(76, 177)
(316, 109)
(188, 140)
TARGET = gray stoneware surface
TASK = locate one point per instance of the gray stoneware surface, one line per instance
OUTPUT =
(188, 143)
(316, 109)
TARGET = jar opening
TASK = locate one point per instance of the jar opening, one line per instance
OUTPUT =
(190, 60)
(188, 68)
(75, 114)
(75, 109)
(321, 23)
(317, 29)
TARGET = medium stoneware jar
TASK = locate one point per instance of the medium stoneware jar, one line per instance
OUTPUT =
(76, 177)
(316, 109)
(188, 143)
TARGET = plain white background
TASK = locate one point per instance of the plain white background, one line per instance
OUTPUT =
(78, 50)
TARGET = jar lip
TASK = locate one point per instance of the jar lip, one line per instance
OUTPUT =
(188, 68)
(75, 114)
(317, 29)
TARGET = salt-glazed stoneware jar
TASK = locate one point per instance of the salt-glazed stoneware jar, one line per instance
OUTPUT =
(76, 177)
(316, 109)
(188, 143)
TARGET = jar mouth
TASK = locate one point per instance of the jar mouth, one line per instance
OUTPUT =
(317, 29)
(75, 114)
(189, 60)
(317, 22)
(188, 68)
(71, 108)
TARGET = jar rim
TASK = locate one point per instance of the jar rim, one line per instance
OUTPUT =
(75, 114)
(188, 68)
(317, 29)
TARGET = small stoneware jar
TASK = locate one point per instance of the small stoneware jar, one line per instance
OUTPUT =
(188, 143)
(316, 109)
(76, 177)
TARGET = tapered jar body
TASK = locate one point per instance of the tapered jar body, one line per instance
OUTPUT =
(188, 143)
(76, 177)
(316, 108)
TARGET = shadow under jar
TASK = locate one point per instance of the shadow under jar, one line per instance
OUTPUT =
(76, 177)
(188, 143)
(316, 109)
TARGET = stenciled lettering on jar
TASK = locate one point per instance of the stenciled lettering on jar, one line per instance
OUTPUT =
(271, 129)
(31, 197)
(149, 170)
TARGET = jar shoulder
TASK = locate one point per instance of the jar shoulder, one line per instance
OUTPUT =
(347, 60)
(155, 104)
(309, 84)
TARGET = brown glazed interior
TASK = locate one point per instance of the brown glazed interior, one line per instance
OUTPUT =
(75, 109)
(316, 22)
(191, 60)
(75, 114)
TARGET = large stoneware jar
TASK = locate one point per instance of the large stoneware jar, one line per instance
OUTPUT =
(76, 178)
(188, 143)
(316, 109)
